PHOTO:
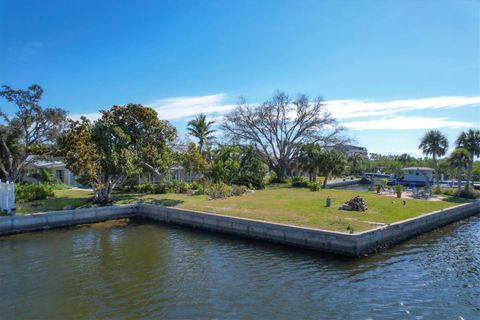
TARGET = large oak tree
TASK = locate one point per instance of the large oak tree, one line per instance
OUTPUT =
(123, 140)
(280, 126)
(31, 131)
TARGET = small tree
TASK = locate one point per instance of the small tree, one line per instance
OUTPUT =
(31, 131)
(333, 163)
(436, 144)
(192, 160)
(459, 160)
(310, 159)
(355, 160)
(470, 140)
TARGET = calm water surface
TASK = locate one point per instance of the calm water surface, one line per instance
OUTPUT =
(140, 270)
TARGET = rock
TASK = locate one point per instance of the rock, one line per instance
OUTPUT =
(69, 208)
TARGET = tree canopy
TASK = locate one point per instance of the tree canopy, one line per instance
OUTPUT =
(31, 131)
(280, 126)
(105, 152)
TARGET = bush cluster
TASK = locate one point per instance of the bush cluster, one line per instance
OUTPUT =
(25, 192)
(164, 187)
(470, 194)
(314, 186)
(299, 182)
(221, 190)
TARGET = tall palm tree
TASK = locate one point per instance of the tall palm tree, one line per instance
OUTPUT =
(459, 159)
(333, 163)
(470, 140)
(309, 159)
(355, 159)
(201, 129)
(436, 144)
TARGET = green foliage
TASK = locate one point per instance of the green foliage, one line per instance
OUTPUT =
(468, 194)
(25, 192)
(30, 131)
(333, 164)
(238, 190)
(310, 159)
(314, 186)
(104, 153)
(46, 176)
(201, 129)
(192, 160)
(299, 182)
(239, 165)
(219, 190)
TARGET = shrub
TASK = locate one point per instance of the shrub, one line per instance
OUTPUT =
(299, 182)
(314, 186)
(200, 186)
(180, 187)
(238, 190)
(145, 188)
(470, 194)
(33, 191)
(219, 190)
(160, 188)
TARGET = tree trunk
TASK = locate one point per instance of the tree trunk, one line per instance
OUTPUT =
(459, 180)
(469, 174)
(282, 171)
(436, 171)
(325, 181)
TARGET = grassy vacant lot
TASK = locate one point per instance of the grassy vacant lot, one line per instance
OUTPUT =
(280, 204)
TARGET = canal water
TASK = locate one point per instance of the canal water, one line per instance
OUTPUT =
(136, 269)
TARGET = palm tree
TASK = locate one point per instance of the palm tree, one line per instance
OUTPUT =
(436, 144)
(333, 163)
(470, 140)
(356, 159)
(459, 159)
(200, 128)
(309, 159)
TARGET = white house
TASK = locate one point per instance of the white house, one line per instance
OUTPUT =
(56, 167)
(418, 175)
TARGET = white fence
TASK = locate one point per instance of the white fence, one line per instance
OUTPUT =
(7, 196)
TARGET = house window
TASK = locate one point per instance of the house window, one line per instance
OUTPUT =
(59, 175)
(410, 171)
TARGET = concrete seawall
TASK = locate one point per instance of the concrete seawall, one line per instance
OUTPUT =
(335, 184)
(65, 218)
(322, 240)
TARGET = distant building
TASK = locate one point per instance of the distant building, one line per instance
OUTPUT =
(418, 175)
(351, 150)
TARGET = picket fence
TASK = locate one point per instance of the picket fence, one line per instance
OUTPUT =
(7, 196)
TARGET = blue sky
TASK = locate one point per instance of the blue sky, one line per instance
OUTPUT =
(389, 70)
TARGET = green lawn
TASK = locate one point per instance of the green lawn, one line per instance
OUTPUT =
(280, 204)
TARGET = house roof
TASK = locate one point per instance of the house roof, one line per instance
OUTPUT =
(419, 168)
(48, 164)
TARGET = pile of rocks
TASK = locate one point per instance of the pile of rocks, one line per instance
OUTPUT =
(355, 204)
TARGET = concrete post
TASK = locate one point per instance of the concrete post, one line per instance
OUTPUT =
(3, 194)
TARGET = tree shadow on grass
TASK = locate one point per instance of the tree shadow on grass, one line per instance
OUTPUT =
(456, 200)
(133, 198)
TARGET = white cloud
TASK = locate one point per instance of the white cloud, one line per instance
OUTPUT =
(345, 109)
(404, 123)
(91, 116)
(180, 107)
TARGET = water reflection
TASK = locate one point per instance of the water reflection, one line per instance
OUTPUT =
(141, 270)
